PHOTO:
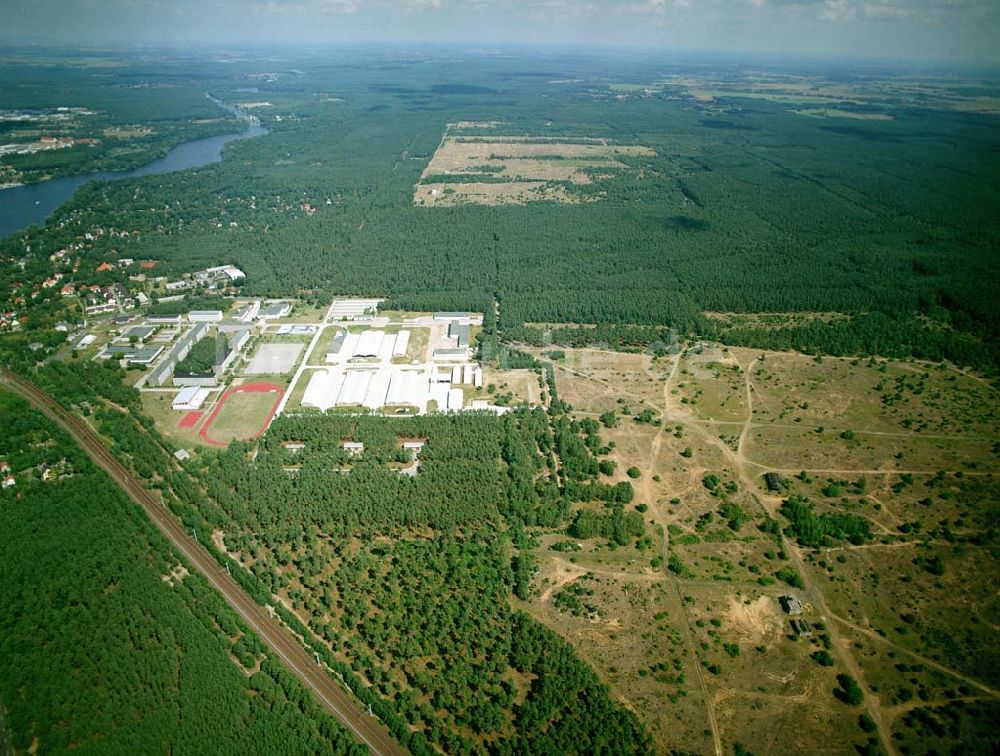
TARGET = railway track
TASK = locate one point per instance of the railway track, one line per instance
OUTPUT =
(278, 638)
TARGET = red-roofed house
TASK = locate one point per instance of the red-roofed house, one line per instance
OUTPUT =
(105, 266)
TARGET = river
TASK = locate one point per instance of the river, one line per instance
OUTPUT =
(20, 206)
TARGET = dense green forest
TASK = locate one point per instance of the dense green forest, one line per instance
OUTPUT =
(106, 644)
(202, 357)
(137, 110)
(400, 583)
(892, 223)
(391, 571)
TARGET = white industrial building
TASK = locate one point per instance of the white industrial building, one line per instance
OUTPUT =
(225, 271)
(205, 316)
(451, 355)
(190, 398)
(407, 387)
(369, 344)
(364, 369)
(323, 390)
(355, 388)
(296, 330)
(378, 387)
(401, 344)
(354, 309)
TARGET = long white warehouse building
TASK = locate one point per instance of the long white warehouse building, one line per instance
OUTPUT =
(409, 387)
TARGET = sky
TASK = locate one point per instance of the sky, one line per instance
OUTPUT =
(966, 31)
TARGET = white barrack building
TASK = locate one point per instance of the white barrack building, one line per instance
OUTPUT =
(354, 309)
(190, 398)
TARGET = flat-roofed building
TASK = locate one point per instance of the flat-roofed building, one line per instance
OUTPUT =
(354, 447)
(205, 316)
(248, 313)
(369, 344)
(378, 386)
(190, 398)
(141, 333)
(348, 346)
(225, 271)
(451, 355)
(355, 388)
(460, 332)
(456, 399)
(178, 352)
(323, 389)
(386, 347)
(132, 354)
(296, 330)
(354, 308)
(161, 374)
(401, 344)
(439, 395)
(275, 310)
(195, 380)
(239, 339)
(406, 387)
(452, 315)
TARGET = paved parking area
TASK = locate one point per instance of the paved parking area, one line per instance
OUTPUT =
(275, 359)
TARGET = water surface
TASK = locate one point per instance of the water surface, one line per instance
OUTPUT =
(21, 206)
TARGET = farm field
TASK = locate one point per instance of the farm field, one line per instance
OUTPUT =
(906, 606)
(514, 170)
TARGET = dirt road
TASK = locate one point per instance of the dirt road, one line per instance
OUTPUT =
(279, 639)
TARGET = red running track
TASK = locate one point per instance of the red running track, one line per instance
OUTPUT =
(190, 420)
(249, 388)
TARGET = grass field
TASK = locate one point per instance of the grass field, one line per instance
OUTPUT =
(170, 422)
(242, 413)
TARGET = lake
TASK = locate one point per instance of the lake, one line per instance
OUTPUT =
(22, 206)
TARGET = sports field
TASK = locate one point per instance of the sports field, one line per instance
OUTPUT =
(190, 419)
(243, 412)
